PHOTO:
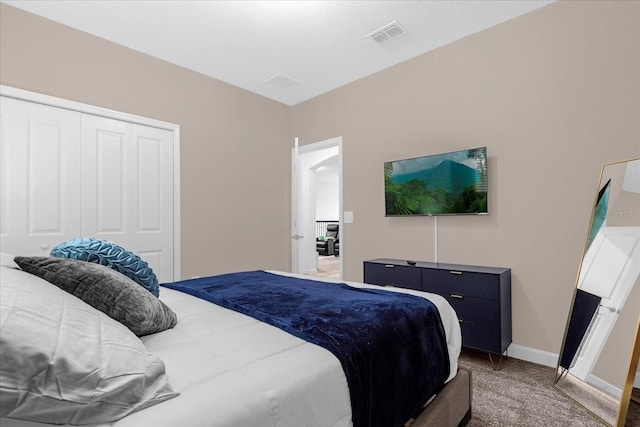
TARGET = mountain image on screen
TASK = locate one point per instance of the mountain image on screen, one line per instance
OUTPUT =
(450, 176)
(437, 185)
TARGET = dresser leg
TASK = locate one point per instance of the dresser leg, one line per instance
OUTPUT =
(493, 366)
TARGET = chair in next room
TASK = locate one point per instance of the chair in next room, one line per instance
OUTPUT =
(331, 244)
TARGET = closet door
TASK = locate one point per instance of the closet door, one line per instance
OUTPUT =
(8, 177)
(40, 191)
(127, 189)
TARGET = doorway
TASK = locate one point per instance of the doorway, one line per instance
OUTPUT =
(312, 165)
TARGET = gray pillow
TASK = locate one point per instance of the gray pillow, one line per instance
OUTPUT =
(107, 290)
(64, 362)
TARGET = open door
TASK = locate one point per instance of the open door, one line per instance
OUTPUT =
(295, 208)
(305, 160)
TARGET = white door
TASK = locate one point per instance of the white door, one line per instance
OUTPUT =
(41, 176)
(127, 189)
(610, 276)
(9, 131)
(295, 208)
(67, 174)
(305, 158)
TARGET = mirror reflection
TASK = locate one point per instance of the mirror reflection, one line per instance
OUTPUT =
(601, 331)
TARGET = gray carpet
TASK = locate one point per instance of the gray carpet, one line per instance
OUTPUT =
(522, 394)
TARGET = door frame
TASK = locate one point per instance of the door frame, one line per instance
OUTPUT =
(299, 150)
(52, 101)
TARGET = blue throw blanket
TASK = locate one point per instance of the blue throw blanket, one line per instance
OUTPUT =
(392, 346)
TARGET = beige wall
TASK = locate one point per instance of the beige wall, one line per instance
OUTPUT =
(234, 144)
(552, 94)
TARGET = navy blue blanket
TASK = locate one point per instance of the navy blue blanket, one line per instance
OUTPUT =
(392, 346)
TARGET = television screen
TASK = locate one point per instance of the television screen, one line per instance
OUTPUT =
(442, 184)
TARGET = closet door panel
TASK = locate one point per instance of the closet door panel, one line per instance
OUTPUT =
(9, 131)
(51, 153)
(154, 198)
(150, 185)
(127, 196)
(104, 168)
(111, 180)
(46, 175)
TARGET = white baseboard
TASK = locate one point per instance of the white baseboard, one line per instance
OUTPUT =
(603, 385)
(550, 359)
(533, 355)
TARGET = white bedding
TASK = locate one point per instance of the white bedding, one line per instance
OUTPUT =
(232, 370)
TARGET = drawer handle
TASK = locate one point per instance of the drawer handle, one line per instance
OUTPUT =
(389, 285)
(457, 296)
(389, 266)
(456, 272)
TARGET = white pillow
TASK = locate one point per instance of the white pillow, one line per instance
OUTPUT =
(65, 362)
(6, 260)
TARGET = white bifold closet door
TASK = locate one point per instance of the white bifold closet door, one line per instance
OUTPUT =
(41, 176)
(127, 188)
(67, 174)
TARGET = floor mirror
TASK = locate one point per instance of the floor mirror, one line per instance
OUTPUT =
(598, 363)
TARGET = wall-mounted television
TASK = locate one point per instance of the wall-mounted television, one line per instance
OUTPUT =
(453, 183)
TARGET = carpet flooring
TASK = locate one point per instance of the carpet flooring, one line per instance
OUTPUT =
(522, 394)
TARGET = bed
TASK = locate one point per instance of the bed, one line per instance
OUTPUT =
(213, 367)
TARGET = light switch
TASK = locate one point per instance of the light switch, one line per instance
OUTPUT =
(348, 217)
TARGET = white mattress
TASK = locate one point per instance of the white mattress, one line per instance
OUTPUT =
(233, 370)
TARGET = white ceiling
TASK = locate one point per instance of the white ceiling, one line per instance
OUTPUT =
(320, 45)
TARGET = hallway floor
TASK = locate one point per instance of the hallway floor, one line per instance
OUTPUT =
(328, 267)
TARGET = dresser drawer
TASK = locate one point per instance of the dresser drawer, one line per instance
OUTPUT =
(401, 276)
(478, 310)
(483, 337)
(481, 296)
(448, 282)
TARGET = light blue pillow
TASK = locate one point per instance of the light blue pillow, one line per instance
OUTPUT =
(110, 255)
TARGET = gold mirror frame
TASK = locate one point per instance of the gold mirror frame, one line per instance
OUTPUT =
(591, 302)
(626, 395)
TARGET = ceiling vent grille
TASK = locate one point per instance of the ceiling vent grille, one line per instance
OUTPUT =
(387, 32)
(281, 81)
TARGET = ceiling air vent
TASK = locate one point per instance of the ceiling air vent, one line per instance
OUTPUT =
(387, 32)
(281, 81)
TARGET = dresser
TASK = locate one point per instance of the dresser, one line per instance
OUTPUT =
(481, 296)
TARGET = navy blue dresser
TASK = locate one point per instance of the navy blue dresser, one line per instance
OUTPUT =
(481, 296)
